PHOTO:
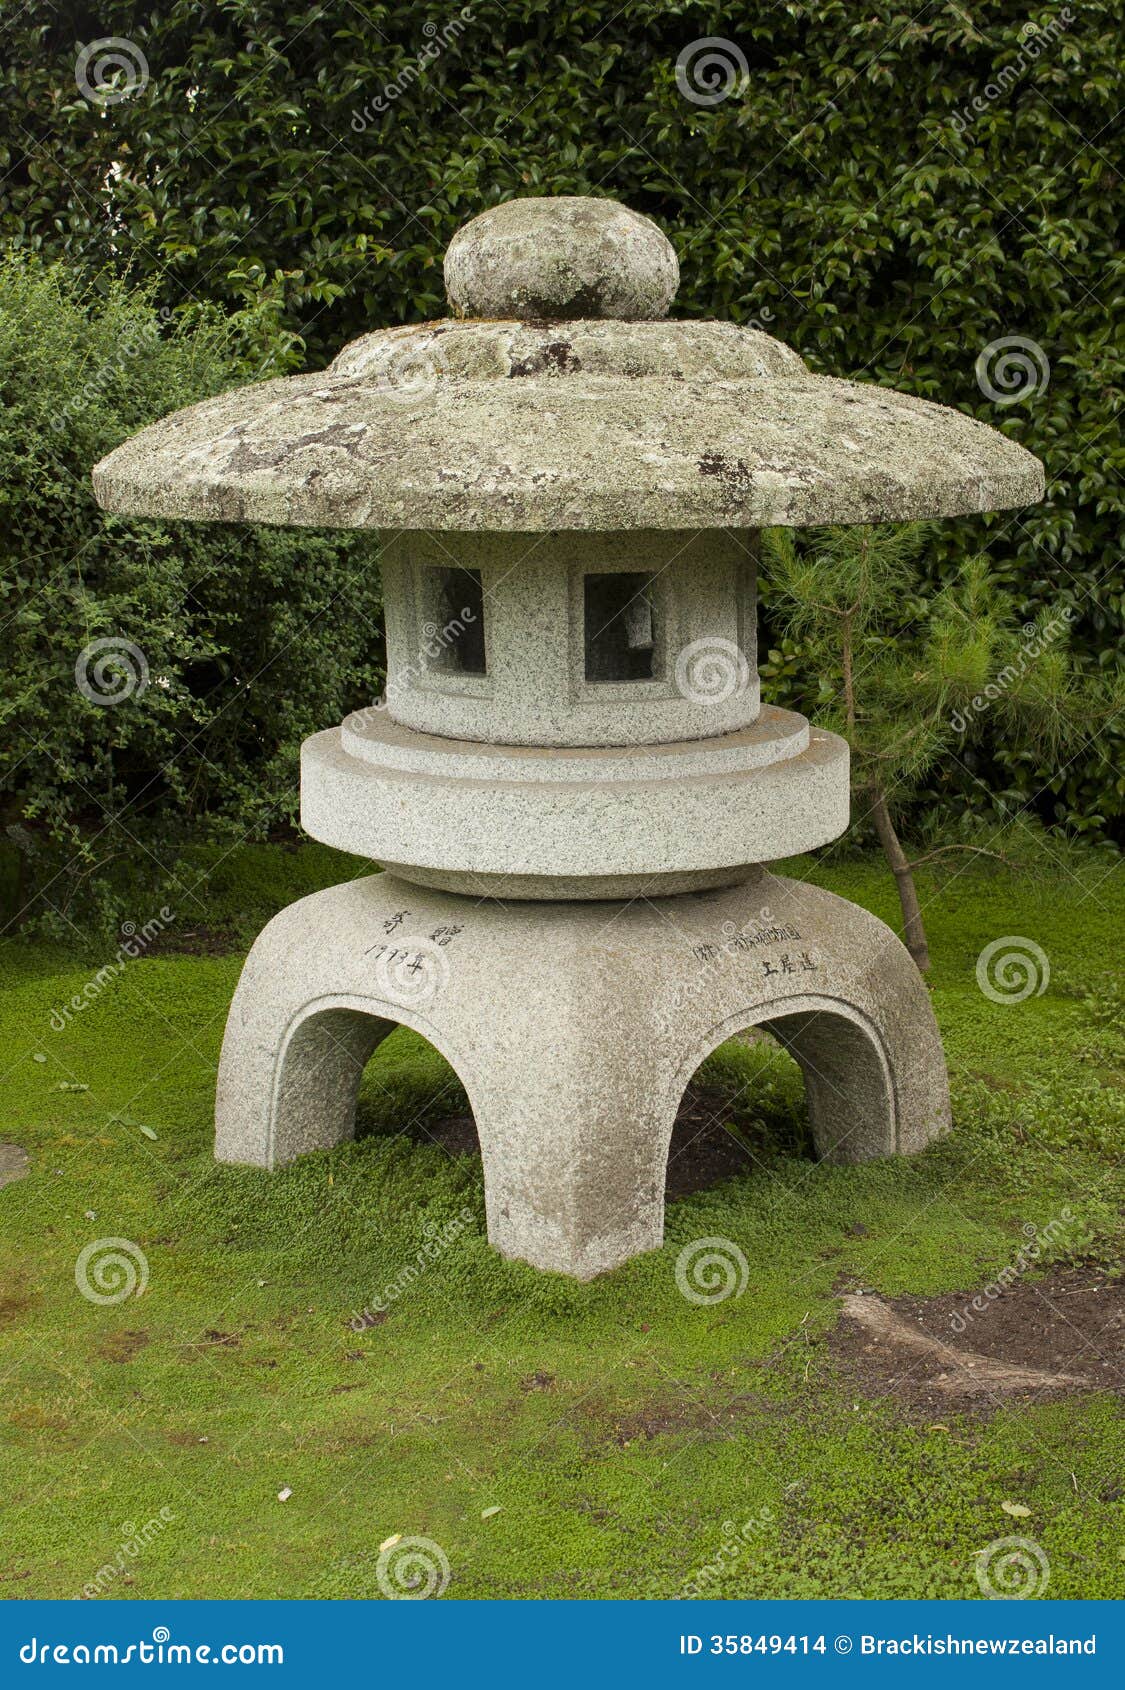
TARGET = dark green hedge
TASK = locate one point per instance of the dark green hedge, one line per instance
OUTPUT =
(849, 195)
(156, 676)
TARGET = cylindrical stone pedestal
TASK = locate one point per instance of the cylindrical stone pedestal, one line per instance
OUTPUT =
(573, 715)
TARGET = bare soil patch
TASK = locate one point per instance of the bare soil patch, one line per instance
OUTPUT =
(703, 1150)
(15, 1300)
(668, 1415)
(122, 1345)
(13, 1163)
(1042, 1339)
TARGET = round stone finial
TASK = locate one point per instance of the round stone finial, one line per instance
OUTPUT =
(568, 257)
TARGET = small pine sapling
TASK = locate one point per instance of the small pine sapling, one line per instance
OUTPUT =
(908, 670)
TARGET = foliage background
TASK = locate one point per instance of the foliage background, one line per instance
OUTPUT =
(253, 637)
(847, 198)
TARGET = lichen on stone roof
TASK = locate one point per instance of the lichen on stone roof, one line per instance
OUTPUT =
(599, 417)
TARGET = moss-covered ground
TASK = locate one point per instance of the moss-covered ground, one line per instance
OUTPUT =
(554, 1439)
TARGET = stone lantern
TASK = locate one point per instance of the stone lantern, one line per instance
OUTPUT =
(571, 783)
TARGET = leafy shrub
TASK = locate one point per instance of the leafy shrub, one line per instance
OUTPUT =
(226, 644)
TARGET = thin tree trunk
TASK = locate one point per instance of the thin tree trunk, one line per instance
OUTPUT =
(913, 928)
(846, 665)
(19, 894)
(15, 920)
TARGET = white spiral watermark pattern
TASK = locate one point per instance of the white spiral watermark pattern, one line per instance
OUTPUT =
(412, 1569)
(709, 671)
(110, 670)
(111, 1270)
(160, 1634)
(1013, 968)
(411, 971)
(1012, 1569)
(103, 59)
(1012, 368)
(709, 1270)
(410, 371)
(709, 70)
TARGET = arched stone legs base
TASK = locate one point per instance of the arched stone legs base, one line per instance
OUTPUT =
(574, 1029)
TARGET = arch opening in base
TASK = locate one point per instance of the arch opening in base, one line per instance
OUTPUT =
(811, 1079)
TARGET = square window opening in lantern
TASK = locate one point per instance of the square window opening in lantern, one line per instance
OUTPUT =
(620, 627)
(456, 612)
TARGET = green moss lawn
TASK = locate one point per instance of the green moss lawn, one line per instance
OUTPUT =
(556, 1440)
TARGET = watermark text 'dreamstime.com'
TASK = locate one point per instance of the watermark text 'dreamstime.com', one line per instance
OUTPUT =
(160, 1651)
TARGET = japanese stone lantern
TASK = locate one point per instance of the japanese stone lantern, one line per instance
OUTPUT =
(571, 783)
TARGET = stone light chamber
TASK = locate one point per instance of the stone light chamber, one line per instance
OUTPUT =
(571, 783)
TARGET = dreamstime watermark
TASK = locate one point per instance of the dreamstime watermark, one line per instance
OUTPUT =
(1011, 969)
(711, 670)
(132, 342)
(111, 1270)
(408, 369)
(710, 70)
(161, 1652)
(1037, 637)
(438, 1240)
(134, 944)
(412, 971)
(133, 1544)
(737, 1541)
(1012, 368)
(99, 66)
(412, 1569)
(709, 1270)
(1034, 39)
(436, 643)
(1029, 1253)
(1012, 1569)
(438, 38)
(110, 670)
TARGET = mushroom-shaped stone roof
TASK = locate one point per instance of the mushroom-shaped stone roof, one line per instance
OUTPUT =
(563, 398)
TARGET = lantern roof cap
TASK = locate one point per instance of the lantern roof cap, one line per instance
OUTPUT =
(567, 400)
(561, 258)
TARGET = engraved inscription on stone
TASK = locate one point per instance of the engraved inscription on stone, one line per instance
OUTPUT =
(749, 939)
(802, 963)
(410, 961)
